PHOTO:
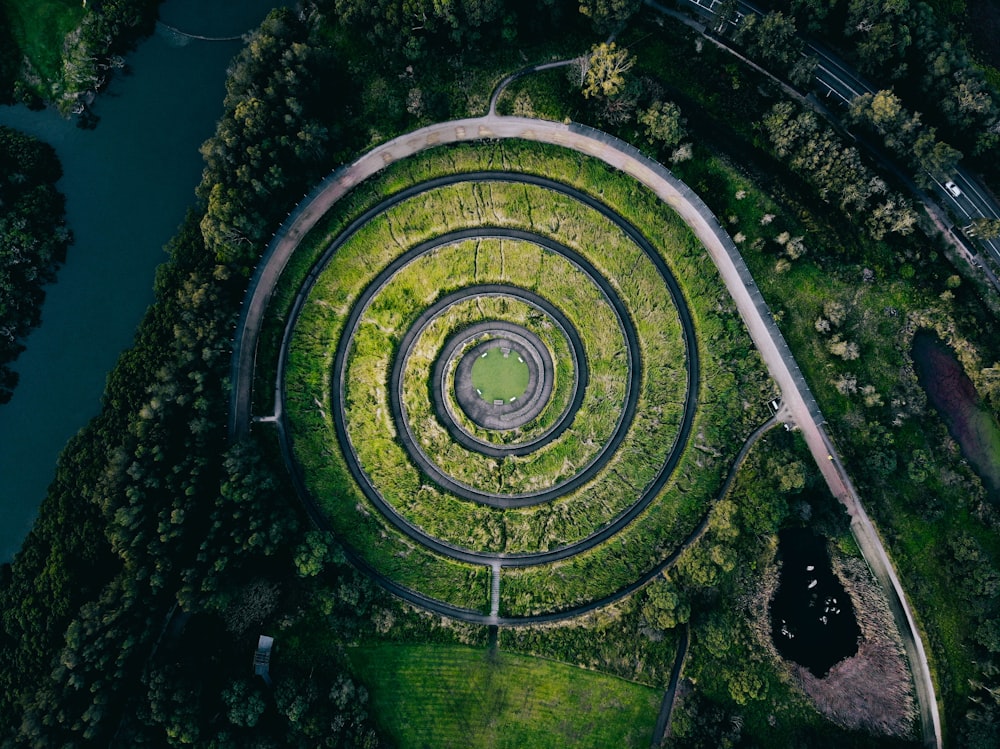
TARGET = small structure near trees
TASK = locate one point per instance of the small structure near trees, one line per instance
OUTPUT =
(262, 658)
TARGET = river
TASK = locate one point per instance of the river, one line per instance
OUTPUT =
(128, 183)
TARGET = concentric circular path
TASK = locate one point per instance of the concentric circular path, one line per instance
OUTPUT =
(439, 397)
(506, 501)
(608, 450)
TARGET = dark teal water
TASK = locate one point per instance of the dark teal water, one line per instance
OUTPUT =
(128, 183)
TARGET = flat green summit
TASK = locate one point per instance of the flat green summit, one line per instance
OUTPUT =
(500, 374)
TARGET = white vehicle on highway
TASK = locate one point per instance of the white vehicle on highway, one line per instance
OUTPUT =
(954, 189)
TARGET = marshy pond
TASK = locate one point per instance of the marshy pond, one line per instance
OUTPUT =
(953, 395)
(812, 618)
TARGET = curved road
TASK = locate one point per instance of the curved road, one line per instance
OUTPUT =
(720, 247)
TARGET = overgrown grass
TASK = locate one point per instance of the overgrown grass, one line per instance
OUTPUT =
(452, 696)
(734, 386)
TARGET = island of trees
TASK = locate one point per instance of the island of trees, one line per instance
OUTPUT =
(33, 240)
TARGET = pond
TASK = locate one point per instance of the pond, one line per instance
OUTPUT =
(953, 395)
(812, 618)
(128, 183)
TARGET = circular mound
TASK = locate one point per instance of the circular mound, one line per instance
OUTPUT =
(501, 383)
(503, 395)
(500, 374)
(540, 416)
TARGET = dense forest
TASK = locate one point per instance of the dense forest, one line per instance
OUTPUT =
(33, 240)
(132, 612)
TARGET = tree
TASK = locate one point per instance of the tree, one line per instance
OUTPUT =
(664, 124)
(814, 12)
(609, 15)
(312, 554)
(663, 606)
(935, 157)
(791, 475)
(882, 32)
(803, 71)
(605, 69)
(771, 38)
(245, 703)
(986, 228)
(33, 240)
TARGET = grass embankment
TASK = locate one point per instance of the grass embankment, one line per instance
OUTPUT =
(527, 266)
(452, 696)
(39, 28)
(428, 345)
(734, 385)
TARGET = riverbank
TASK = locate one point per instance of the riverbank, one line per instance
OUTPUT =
(128, 183)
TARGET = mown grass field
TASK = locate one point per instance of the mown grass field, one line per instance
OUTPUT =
(496, 375)
(445, 696)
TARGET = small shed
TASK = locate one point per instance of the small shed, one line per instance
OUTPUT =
(262, 658)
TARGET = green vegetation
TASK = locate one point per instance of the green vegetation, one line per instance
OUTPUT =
(530, 590)
(450, 696)
(33, 240)
(521, 264)
(39, 29)
(62, 51)
(131, 613)
(499, 376)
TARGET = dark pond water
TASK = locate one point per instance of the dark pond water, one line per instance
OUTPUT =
(812, 619)
(128, 183)
(954, 396)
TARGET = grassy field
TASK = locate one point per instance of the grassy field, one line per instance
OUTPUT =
(734, 387)
(39, 28)
(499, 376)
(445, 696)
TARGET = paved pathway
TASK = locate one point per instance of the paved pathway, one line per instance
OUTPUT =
(764, 332)
(667, 706)
(388, 511)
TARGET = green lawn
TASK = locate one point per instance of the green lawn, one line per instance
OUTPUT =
(39, 27)
(444, 696)
(499, 376)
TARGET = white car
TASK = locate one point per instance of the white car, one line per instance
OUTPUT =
(954, 189)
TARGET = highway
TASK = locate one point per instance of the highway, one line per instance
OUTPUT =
(843, 85)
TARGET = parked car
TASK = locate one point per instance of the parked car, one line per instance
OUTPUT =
(954, 189)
